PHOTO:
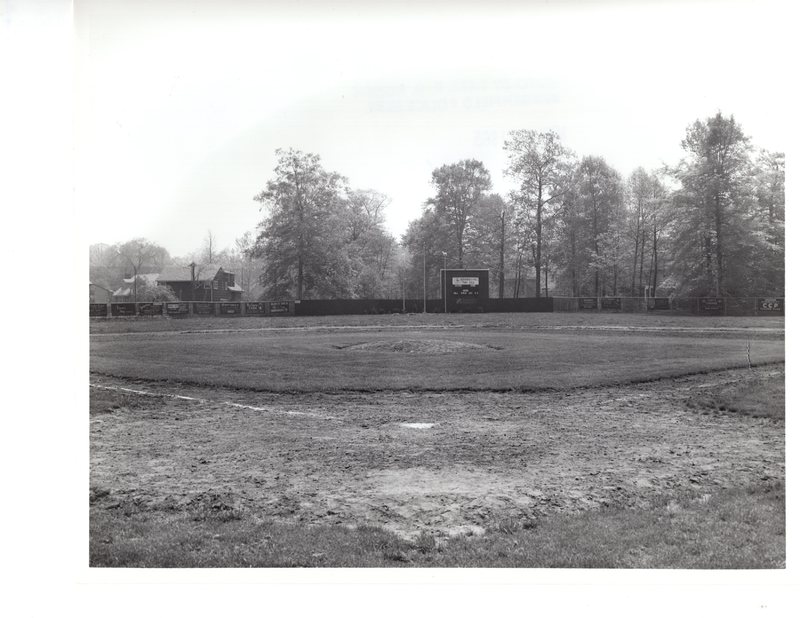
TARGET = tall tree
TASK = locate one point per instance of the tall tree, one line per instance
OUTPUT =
(488, 238)
(770, 178)
(540, 163)
(426, 238)
(370, 247)
(140, 256)
(210, 251)
(459, 187)
(599, 195)
(301, 237)
(639, 190)
(570, 254)
(714, 192)
(647, 201)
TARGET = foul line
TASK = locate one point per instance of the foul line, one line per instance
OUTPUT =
(232, 404)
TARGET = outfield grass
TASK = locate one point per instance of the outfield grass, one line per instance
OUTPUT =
(514, 321)
(281, 361)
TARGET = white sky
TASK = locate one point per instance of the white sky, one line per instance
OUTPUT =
(180, 107)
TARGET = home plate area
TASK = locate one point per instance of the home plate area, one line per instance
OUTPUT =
(444, 463)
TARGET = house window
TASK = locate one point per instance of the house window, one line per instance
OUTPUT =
(216, 285)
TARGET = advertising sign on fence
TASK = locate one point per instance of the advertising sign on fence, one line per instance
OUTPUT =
(123, 309)
(230, 308)
(204, 308)
(254, 308)
(177, 308)
(714, 306)
(98, 310)
(658, 304)
(611, 303)
(770, 305)
(279, 307)
(150, 308)
(587, 303)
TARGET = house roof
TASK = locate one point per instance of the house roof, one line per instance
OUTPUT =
(127, 287)
(149, 277)
(184, 273)
(235, 288)
(97, 285)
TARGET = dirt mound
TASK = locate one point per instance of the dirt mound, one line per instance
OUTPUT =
(418, 346)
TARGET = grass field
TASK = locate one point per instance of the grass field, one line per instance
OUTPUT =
(491, 440)
(515, 321)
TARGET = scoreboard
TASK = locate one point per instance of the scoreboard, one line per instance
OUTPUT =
(465, 289)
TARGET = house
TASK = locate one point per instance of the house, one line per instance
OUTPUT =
(130, 285)
(210, 282)
(99, 294)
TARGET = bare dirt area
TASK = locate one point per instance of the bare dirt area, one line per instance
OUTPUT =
(445, 463)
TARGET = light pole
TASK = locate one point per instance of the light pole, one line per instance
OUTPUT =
(424, 283)
(444, 281)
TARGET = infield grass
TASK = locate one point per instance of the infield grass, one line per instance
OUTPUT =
(310, 361)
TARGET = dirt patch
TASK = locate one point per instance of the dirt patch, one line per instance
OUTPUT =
(486, 456)
(417, 346)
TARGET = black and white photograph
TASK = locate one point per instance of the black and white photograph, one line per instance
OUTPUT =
(403, 289)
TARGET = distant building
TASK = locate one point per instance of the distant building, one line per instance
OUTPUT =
(125, 293)
(99, 294)
(205, 283)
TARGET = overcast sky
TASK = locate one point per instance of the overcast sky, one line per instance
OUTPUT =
(180, 106)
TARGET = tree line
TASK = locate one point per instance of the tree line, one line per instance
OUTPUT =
(712, 225)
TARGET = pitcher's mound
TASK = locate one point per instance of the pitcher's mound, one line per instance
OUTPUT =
(418, 346)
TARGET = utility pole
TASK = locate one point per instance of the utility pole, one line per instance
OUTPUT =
(502, 281)
(403, 287)
(424, 282)
(444, 281)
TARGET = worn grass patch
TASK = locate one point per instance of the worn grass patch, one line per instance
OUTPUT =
(757, 396)
(732, 529)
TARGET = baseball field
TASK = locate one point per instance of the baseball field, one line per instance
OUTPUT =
(531, 440)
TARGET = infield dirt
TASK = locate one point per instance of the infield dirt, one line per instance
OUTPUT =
(445, 463)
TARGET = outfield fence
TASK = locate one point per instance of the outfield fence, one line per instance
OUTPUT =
(720, 306)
